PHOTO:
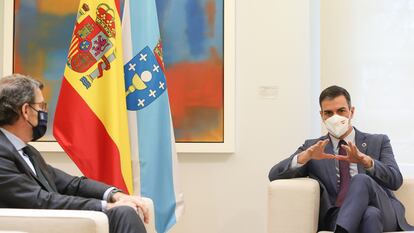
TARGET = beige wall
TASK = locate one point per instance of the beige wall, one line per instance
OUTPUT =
(227, 193)
(367, 46)
(1, 37)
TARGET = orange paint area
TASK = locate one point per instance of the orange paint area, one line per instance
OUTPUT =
(196, 96)
(65, 7)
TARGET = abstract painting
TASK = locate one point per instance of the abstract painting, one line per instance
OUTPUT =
(193, 47)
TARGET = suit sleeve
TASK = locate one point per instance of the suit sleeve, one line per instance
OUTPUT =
(77, 186)
(386, 171)
(283, 169)
(73, 185)
(20, 190)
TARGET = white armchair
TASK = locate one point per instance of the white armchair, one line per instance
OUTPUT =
(61, 221)
(293, 204)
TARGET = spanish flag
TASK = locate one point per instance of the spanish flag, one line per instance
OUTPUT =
(91, 121)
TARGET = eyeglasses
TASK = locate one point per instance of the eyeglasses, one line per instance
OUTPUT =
(42, 105)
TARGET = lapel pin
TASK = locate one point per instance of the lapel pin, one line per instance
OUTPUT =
(364, 144)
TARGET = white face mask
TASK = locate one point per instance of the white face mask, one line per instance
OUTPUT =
(337, 125)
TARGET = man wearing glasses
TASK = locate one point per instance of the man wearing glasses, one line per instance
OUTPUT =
(26, 181)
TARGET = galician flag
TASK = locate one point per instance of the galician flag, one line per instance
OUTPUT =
(152, 137)
(91, 122)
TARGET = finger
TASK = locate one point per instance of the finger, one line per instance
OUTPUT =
(328, 156)
(137, 202)
(140, 203)
(360, 155)
(347, 149)
(144, 208)
(146, 217)
(341, 157)
(356, 151)
(352, 146)
(145, 212)
(318, 144)
(325, 142)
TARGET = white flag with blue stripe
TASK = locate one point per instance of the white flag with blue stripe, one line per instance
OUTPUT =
(152, 137)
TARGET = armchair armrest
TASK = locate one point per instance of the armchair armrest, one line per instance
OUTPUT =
(293, 206)
(53, 221)
(405, 195)
(62, 221)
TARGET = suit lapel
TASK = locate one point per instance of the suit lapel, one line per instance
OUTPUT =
(5, 141)
(42, 166)
(360, 141)
(19, 160)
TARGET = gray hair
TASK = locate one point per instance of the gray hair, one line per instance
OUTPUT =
(15, 91)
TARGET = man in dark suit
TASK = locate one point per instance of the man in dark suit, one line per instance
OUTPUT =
(356, 172)
(26, 181)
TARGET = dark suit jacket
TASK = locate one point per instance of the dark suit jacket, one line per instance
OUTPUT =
(386, 172)
(20, 188)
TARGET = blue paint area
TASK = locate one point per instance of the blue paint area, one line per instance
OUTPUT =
(184, 30)
(217, 41)
(196, 28)
(26, 21)
(53, 74)
(172, 27)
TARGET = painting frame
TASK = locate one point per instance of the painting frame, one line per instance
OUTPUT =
(228, 144)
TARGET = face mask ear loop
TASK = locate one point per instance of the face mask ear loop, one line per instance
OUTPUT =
(28, 119)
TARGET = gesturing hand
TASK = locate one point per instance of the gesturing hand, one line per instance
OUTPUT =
(316, 152)
(353, 155)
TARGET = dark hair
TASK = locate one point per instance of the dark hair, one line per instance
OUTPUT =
(333, 92)
(16, 90)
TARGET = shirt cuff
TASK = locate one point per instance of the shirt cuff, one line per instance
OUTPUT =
(104, 206)
(294, 163)
(106, 194)
(371, 169)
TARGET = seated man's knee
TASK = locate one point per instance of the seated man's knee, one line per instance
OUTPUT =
(122, 211)
(125, 219)
(361, 178)
(372, 213)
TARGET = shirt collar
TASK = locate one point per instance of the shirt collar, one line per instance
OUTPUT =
(16, 141)
(349, 138)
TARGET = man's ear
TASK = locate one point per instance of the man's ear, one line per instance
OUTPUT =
(25, 111)
(321, 113)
